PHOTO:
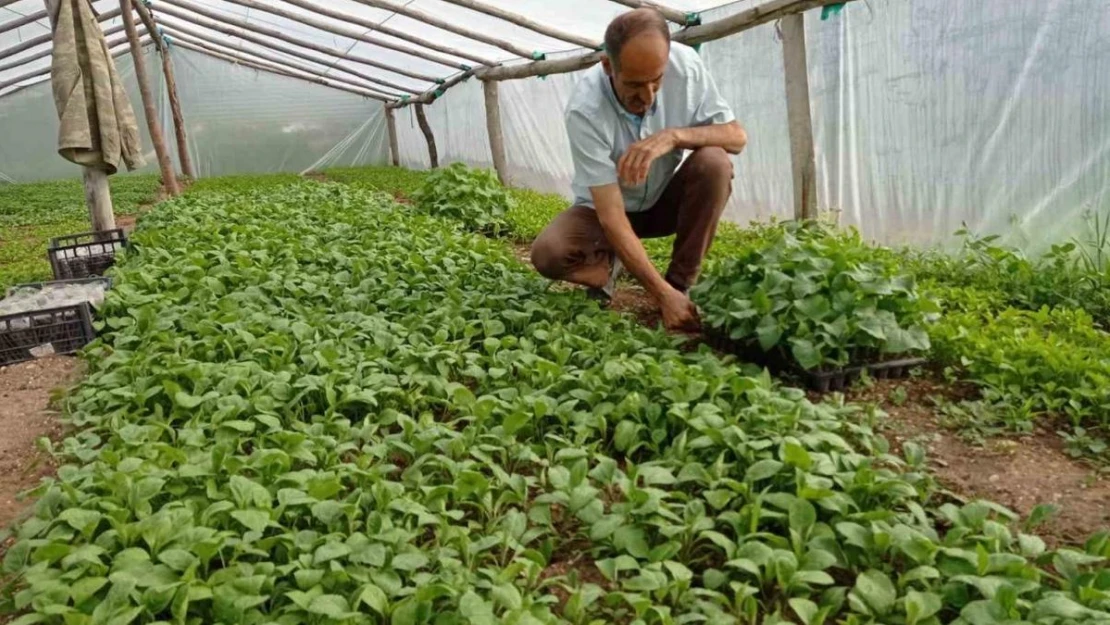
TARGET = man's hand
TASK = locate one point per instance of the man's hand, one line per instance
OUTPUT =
(679, 313)
(633, 167)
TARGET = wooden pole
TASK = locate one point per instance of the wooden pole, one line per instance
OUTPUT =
(422, 119)
(180, 137)
(215, 22)
(434, 94)
(493, 127)
(802, 157)
(694, 35)
(394, 146)
(98, 195)
(196, 34)
(531, 25)
(169, 180)
(279, 62)
(277, 69)
(672, 15)
(431, 20)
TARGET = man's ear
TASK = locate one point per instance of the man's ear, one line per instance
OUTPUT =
(607, 65)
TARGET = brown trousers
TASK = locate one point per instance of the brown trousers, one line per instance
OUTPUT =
(689, 208)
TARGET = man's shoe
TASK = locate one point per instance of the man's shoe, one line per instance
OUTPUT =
(604, 295)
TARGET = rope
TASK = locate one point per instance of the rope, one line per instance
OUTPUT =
(693, 19)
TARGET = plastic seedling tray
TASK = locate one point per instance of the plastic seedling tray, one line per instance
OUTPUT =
(779, 363)
(86, 254)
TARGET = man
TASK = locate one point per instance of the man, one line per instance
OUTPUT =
(630, 121)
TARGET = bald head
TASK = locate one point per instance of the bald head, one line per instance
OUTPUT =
(631, 25)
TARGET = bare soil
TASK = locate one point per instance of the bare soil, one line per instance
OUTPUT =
(1017, 472)
(25, 416)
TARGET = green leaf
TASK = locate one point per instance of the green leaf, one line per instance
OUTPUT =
(476, 610)
(375, 598)
(187, 401)
(331, 606)
(921, 605)
(873, 594)
(631, 540)
(762, 470)
(330, 551)
(768, 332)
(806, 353)
(803, 516)
(254, 520)
(409, 561)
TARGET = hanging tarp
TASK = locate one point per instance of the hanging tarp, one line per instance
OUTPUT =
(97, 126)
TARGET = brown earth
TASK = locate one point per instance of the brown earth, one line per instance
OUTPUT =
(1016, 472)
(25, 416)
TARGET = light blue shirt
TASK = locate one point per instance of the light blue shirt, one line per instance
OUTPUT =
(601, 130)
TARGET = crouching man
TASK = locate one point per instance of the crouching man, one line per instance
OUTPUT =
(630, 120)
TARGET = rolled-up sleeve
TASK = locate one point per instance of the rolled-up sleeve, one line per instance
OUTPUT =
(708, 105)
(591, 152)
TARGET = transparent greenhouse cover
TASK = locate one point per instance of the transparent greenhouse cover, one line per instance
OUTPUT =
(928, 114)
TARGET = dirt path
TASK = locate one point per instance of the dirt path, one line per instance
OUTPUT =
(25, 416)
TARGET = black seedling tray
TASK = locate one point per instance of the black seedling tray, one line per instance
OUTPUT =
(85, 255)
(779, 363)
(27, 335)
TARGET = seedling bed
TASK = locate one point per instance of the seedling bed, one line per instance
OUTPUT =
(86, 254)
(780, 364)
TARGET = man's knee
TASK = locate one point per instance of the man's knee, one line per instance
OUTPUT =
(549, 256)
(713, 163)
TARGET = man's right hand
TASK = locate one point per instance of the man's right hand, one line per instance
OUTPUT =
(679, 313)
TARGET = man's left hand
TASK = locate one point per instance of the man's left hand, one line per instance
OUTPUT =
(633, 167)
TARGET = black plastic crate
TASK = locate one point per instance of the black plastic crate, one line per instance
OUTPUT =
(779, 363)
(42, 285)
(37, 333)
(85, 255)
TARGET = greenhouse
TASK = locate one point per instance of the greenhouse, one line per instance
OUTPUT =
(530, 311)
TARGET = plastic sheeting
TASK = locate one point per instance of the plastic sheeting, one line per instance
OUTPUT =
(927, 113)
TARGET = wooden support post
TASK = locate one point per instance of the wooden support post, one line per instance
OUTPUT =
(801, 123)
(98, 194)
(422, 119)
(391, 127)
(154, 127)
(493, 126)
(180, 138)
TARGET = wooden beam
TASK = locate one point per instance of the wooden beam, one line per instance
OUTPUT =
(45, 52)
(802, 158)
(434, 94)
(47, 38)
(540, 68)
(150, 111)
(428, 18)
(180, 134)
(391, 127)
(739, 22)
(520, 20)
(747, 19)
(217, 47)
(277, 69)
(426, 128)
(359, 35)
(216, 21)
(493, 127)
(370, 25)
(45, 71)
(672, 15)
(285, 50)
(22, 21)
